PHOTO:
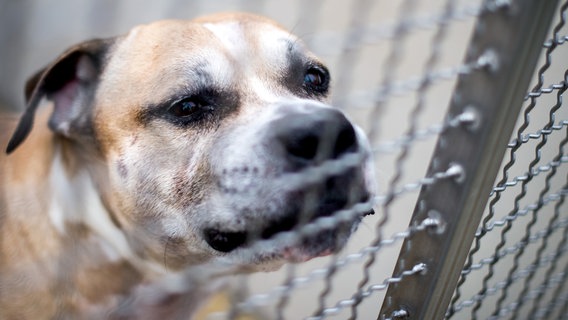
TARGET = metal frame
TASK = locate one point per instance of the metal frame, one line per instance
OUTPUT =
(490, 99)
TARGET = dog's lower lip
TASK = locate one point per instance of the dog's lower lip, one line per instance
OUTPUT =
(299, 254)
(227, 241)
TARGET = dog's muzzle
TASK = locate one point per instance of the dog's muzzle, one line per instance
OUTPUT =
(300, 138)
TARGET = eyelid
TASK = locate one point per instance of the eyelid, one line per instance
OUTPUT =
(220, 102)
(207, 97)
(317, 65)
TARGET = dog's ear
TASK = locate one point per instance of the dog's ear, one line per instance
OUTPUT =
(69, 82)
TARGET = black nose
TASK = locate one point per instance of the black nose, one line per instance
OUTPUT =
(313, 136)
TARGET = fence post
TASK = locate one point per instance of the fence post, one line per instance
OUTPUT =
(507, 39)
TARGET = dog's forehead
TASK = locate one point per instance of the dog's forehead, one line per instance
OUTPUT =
(241, 38)
(218, 46)
(248, 39)
(234, 32)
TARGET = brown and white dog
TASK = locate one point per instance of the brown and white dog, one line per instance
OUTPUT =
(176, 145)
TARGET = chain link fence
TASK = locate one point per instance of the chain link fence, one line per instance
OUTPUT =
(440, 87)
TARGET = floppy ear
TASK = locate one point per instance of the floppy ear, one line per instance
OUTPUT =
(69, 82)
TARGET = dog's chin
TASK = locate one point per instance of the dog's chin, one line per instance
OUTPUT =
(271, 255)
(323, 244)
(313, 222)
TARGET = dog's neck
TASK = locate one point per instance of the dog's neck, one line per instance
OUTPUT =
(75, 200)
(67, 199)
(55, 232)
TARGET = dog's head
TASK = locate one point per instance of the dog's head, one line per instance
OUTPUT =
(210, 136)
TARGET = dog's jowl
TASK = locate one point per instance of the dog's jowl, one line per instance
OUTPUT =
(178, 145)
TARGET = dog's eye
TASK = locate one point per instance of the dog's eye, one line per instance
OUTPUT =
(313, 78)
(316, 79)
(187, 107)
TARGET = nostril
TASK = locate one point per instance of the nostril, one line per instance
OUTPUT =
(303, 147)
(309, 135)
(224, 241)
(346, 141)
(285, 224)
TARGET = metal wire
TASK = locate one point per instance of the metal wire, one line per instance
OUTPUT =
(285, 289)
(421, 267)
(374, 34)
(517, 200)
(533, 221)
(501, 185)
(557, 279)
(390, 64)
(349, 54)
(366, 99)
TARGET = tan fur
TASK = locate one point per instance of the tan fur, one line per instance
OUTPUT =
(33, 256)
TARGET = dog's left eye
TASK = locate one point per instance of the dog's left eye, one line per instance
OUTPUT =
(187, 107)
(313, 78)
(316, 79)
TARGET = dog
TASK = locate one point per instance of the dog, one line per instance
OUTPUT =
(180, 144)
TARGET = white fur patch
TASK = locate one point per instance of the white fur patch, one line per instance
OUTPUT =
(231, 36)
(272, 53)
(64, 196)
(274, 48)
(75, 200)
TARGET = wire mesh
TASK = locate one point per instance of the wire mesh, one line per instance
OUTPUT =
(531, 236)
(394, 67)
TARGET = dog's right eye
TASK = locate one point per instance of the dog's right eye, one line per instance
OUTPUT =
(187, 107)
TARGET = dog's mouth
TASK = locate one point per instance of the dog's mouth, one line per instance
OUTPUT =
(324, 241)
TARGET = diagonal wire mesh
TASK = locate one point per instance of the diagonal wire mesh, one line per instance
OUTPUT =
(510, 224)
